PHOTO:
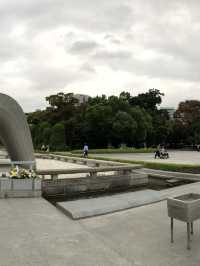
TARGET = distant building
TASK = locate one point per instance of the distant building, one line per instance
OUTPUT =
(170, 111)
(82, 98)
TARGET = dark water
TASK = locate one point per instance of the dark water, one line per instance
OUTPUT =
(150, 185)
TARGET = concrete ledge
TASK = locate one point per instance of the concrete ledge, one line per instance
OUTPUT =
(85, 161)
(20, 194)
(83, 208)
(71, 187)
(15, 188)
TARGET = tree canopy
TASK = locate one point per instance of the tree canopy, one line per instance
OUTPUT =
(103, 121)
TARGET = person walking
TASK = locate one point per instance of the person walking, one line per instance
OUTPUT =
(157, 153)
(47, 148)
(85, 150)
(43, 147)
(198, 147)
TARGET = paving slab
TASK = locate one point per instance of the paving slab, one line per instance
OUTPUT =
(83, 208)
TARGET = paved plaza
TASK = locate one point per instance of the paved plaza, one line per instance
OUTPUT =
(55, 164)
(33, 232)
(180, 157)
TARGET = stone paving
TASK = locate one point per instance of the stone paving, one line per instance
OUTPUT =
(55, 164)
(180, 157)
(33, 232)
(83, 208)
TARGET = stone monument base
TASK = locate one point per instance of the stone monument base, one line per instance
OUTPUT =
(20, 188)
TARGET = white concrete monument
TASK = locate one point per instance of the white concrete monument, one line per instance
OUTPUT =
(15, 133)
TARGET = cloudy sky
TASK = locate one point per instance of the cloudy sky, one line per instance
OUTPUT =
(99, 47)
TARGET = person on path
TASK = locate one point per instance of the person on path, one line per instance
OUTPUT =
(43, 147)
(85, 150)
(47, 148)
(157, 153)
(198, 147)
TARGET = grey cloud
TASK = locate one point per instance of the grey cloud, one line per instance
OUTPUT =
(79, 47)
(88, 68)
(44, 77)
(163, 66)
(112, 39)
(149, 38)
(116, 41)
(48, 14)
(106, 55)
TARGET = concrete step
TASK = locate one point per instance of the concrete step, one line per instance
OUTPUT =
(169, 174)
(83, 208)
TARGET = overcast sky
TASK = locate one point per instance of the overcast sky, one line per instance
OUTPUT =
(99, 47)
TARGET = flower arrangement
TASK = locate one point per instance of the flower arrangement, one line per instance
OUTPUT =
(17, 173)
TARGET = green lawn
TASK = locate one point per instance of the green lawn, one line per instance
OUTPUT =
(185, 168)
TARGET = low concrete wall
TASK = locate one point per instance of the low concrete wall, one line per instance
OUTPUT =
(20, 188)
(82, 161)
(92, 184)
(122, 177)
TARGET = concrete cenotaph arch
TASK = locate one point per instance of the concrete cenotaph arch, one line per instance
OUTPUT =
(15, 133)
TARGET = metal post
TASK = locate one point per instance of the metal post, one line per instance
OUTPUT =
(172, 230)
(188, 235)
(12, 185)
(54, 177)
(93, 173)
(33, 184)
(192, 230)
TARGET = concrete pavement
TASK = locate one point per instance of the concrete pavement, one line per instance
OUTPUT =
(102, 205)
(176, 156)
(34, 232)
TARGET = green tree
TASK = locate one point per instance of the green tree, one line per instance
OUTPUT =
(97, 126)
(46, 135)
(161, 128)
(57, 139)
(59, 100)
(118, 104)
(61, 107)
(98, 100)
(187, 121)
(124, 127)
(144, 124)
(149, 100)
(101, 120)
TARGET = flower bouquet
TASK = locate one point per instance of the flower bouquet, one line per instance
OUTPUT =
(17, 173)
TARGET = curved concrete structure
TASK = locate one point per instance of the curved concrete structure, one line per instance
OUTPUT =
(14, 131)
